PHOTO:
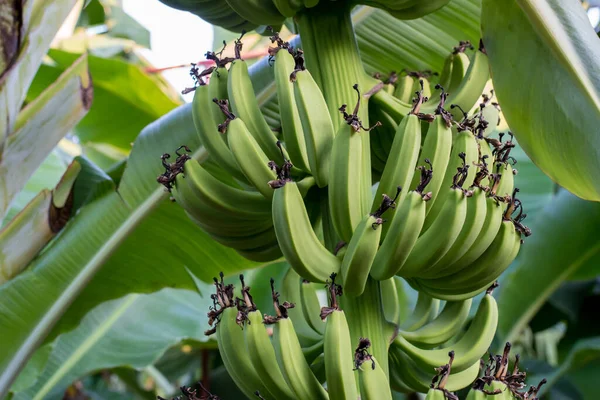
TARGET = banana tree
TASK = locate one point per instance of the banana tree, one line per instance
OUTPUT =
(318, 211)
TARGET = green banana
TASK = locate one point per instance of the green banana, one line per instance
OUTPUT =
(390, 300)
(232, 348)
(291, 289)
(297, 240)
(268, 252)
(460, 66)
(206, 122)
(245, 106)
(373, 382)
(262, 355)
(360, 254)
(400, 167)
(293, 364)
(407, 376)
(468, 349)
(439, 238)
(402, 236)
(253, 162)
(425, 311)
(436, 148)
(316, 124)
(404, 88)
(471, 228)
(341, 383)
(464, 153)
(310, 306)
(442, 328)
(293, 134)
(346, 203)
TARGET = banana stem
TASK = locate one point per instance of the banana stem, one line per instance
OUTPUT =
(366, 319)
(331, 53)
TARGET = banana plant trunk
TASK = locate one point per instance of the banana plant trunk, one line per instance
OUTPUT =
(332, 57)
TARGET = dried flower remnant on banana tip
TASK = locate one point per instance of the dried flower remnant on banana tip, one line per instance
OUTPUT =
(333, 291)
(168, 177)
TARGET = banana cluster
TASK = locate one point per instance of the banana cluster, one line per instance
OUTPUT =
(246, 15)
(443, 215)
(310, 346)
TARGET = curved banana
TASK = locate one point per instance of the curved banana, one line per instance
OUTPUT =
(232, 348)
(310, 306)
(471, 228)
(436, 148)
(404, 90)
(268, 252)
(253, 162)
(460, 66)
(373, 382)
(299, 243)
(425, 310)
(400, 167)
(439, 238)
(307, 335)
(464, 154)
(409, 377)
(206, 122)
(402, 236)
(293, 364)
(341, 383)
(390, 300)
(346, 204)
(245, 106)
(482, 272)
(316, 124)
(360, 254)
(291, 125)
(263, 357)
(442, 328)
(468, 349)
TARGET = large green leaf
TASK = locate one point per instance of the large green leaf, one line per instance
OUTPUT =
(133, 331)
(565, 238)
(544, 58)
(387, 44)
(38, 23)
(135, 238)
(41, 125)
(125, 99)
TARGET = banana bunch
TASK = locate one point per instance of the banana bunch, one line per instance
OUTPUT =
(246, 15)
(426, 338)
(272, 355)
(497, 383)
(443, 215)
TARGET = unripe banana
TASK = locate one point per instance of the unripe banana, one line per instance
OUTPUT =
(291, 124)
(245, 106)
(468, 349)
(249, 155)
(404, 88)
(425, 310)
(206, 122)
(297, 240)
(263, 357)
(261, 12)
(346, 203)
(341, 383)
(374, 384)
(316, 124)
(439, 238)
(400, 167)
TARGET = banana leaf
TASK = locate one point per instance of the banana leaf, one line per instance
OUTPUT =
(41, 125)
(37, 22)
(544, 58)
(565, 239)
(133, 331)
